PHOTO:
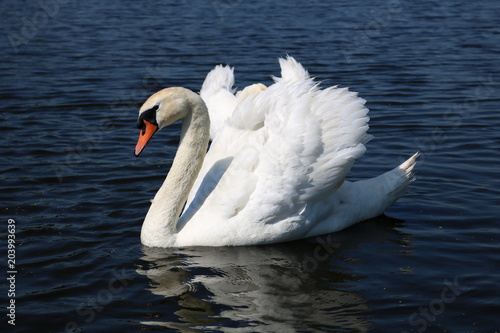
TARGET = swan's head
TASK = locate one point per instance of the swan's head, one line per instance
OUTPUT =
(161, 109)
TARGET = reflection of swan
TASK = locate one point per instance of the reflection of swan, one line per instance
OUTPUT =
(275, 170)
(270, 288)
(250, 289)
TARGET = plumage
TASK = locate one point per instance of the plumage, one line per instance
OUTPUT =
(277, 164)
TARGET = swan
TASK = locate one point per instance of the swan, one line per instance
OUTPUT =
(277, 164)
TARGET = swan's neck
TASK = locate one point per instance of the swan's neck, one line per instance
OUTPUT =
(159, 228)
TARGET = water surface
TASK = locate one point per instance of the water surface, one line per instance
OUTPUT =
(73, 77)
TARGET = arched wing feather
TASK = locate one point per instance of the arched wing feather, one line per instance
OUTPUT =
(285, 147)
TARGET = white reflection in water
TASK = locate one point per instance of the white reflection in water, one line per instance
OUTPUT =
(264, 288)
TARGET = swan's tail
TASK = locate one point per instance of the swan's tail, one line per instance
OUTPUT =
(398, 179)
(368, 198)
(373, 196)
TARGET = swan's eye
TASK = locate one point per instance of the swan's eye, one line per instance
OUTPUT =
(148, 115)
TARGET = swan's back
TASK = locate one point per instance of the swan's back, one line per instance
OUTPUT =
(282, 150)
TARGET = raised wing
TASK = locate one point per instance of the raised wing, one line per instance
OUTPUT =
(281, 149)
(218, 94)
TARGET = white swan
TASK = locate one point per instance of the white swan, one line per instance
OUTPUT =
(276, 168)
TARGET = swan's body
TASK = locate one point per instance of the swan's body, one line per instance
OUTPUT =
(276, 167)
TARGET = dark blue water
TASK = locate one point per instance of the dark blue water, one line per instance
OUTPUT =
(73, 74)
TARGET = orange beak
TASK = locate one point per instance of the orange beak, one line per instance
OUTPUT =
(146, 133)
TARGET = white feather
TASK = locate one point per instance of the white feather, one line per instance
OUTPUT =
(276, 169)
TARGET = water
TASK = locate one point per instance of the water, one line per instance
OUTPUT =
(73, 76)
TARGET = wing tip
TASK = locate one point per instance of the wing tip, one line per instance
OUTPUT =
(291, 70)
(221, 77)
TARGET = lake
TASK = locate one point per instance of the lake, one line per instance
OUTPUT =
(74, 75)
